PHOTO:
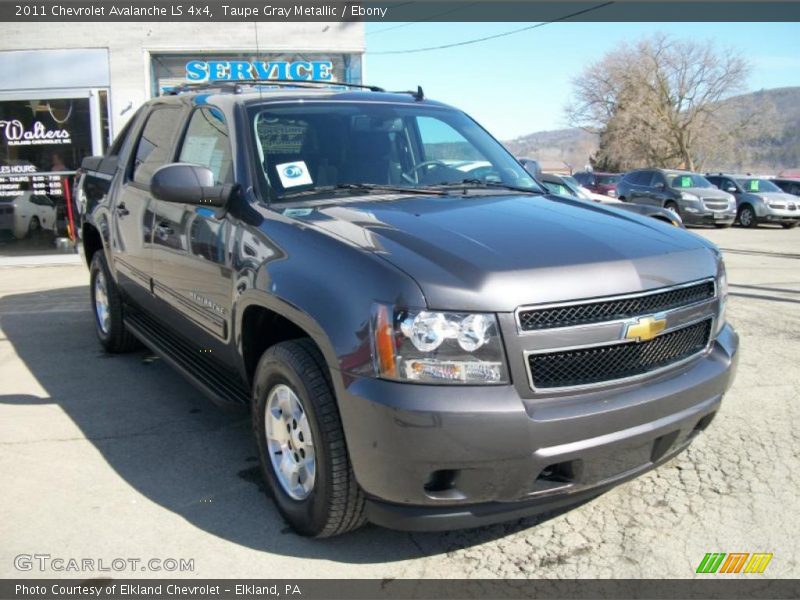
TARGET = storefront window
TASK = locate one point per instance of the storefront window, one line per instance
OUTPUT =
(42, 142)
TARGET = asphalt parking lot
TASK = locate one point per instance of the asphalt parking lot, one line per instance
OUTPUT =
(107, 457)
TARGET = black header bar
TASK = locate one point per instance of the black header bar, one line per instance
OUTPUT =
(399, 10)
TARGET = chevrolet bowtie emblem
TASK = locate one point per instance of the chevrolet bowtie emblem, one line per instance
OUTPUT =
(644, 329)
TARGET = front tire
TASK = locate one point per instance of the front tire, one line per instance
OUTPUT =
(321, 499)
(673, 208)
(108, 309)
(747, 217)
(34, 226)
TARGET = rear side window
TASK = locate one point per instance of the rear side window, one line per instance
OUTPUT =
(640, 177)
(119, 141)
(155, 143)
(207, 143)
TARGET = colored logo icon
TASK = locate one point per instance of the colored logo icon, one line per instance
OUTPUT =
(736, 562)
(293, 172)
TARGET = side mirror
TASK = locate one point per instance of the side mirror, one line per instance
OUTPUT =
(731, 189)
(660, 185)
(189, 184)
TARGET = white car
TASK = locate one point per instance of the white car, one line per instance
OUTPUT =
(32, 213)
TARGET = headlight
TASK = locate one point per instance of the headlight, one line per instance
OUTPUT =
(689, 196)
(437, 347)
(722, 292)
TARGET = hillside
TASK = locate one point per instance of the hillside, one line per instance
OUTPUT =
(776, 149)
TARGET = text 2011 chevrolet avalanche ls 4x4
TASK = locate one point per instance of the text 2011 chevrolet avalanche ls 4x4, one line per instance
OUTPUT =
(418, 348)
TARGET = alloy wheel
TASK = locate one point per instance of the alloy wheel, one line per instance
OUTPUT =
(289, 442)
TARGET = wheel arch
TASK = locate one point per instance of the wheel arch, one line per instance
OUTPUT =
(263, 320)
(92, 242)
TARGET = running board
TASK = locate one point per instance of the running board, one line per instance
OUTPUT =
(222, 386)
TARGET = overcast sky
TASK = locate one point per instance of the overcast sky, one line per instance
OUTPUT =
(520, 83)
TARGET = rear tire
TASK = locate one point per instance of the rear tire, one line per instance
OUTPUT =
(108, 309)
(333, 503)
(747, 217)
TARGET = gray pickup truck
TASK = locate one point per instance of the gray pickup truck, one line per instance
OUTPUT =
(421, 345)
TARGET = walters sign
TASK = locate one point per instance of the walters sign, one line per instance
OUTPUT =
(17, 134)
(240, 70)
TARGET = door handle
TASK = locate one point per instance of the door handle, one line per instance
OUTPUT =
(121, 210)
(164, 229)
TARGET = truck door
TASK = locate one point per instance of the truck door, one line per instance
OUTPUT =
(192, 277)
(132, 210)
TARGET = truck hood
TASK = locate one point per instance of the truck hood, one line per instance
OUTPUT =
(497, 252)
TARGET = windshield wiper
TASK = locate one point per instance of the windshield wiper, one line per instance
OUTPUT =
(362, 187)
(479, 183)
(377, 187)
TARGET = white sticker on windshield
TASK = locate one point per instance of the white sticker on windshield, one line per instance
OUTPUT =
(293, 174)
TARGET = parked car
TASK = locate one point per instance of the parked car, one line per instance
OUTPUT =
(415, 350)
(690, 195)
(566, 185)
(599, 183)
(788, 185)
(28, 214)
(759, 200)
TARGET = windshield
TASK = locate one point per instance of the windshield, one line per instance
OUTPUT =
(317, 146)
(607, 179)
(687, 180)
(758, 185)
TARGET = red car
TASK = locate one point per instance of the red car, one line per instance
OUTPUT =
(599, 183)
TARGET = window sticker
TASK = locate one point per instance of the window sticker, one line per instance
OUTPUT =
(294, 174)
(686, 181)
(754, 185)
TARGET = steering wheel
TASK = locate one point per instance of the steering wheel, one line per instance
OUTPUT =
(423, 165)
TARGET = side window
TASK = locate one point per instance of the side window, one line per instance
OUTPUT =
(207, 143)
(656, 179)
(441, 141)
(645, 178)
(122, 136)
(155, 143)
(638, 177)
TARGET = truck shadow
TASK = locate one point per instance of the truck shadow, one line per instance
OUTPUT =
(172, 445)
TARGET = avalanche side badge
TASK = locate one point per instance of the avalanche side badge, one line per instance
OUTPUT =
(293, 174)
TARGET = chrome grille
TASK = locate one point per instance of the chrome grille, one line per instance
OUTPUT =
(615, 309)
(618, 361)
(716, 205)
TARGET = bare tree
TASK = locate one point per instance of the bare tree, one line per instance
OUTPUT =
(655, 102)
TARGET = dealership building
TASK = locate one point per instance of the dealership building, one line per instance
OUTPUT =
(67, 88)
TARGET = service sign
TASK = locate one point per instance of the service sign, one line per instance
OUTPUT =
(198, 71)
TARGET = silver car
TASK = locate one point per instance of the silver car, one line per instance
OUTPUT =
(758, 200)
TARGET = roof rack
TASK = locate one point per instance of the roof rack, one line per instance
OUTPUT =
(417, 94)
(237, 86)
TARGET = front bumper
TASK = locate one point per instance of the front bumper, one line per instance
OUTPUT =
(708, 217)
(765, 214)
(445, 457)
